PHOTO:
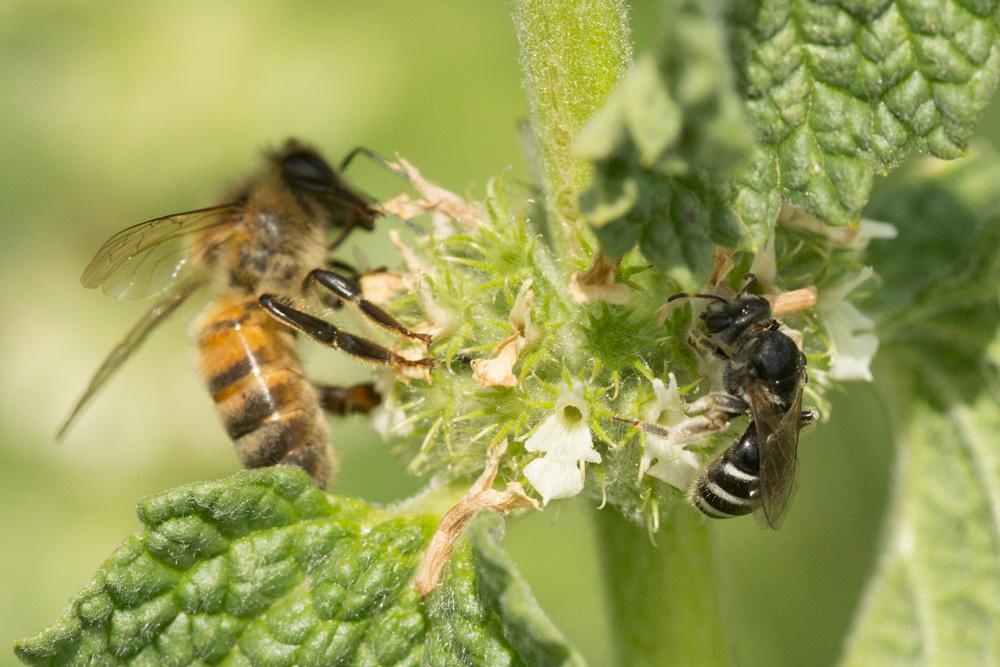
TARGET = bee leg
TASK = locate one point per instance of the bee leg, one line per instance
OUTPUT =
(720, 406)
(348, 290)
(344, 267)
(808, 417)
(359, 398)
(710, 345)
(329, 335)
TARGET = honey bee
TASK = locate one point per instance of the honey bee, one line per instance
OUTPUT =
(264, 250)
(764, 376)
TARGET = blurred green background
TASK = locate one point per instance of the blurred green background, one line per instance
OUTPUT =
(113, 115)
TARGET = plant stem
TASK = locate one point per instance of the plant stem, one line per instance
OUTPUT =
(662, 601)
(572, 54)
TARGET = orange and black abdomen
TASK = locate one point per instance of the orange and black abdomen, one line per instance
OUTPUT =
(271, 412)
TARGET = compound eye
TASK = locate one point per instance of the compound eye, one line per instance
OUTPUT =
(308, 171)
(716, 322)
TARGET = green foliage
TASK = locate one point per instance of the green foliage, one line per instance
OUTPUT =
(835, 95)
(571, 58)
(938, 583)
(840, 93)
(473, 277)
(701, 143)
(262, 568)
(935, 598)
(668, 148)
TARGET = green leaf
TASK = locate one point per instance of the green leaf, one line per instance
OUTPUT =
(938, 309)
(935, 598)
(664, 147)
(262, 568)
(842, 92)
(572, 54)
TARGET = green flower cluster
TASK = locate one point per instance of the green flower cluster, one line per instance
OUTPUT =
(556, 354)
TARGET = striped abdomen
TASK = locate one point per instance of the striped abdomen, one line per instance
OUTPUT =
(253, 372)
(730, 486)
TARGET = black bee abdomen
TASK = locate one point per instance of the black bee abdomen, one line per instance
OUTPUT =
(745, 454)
(730, 486)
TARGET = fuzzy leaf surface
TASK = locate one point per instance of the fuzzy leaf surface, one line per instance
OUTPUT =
(842, 92)
(665, 146)
(935, 597)
(263, 568)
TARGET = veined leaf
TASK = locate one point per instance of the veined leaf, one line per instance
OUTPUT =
(842, 92)
(665, 146)
(935, 599)
(262, 568)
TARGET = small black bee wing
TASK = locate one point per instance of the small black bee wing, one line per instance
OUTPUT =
(124, 349)
(148, 258)
(778, 440)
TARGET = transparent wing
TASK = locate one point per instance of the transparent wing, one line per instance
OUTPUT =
(133, 339)
(150, 257)
(778, 440)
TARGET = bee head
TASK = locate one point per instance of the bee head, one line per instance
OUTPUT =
(304, 168)
(734, 317)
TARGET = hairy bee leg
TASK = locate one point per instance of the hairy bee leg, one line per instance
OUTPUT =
(329, 335)
(348, 290)
(720, 406)
(356, 399)
(710, 345)
(808, 417)
(344, 267)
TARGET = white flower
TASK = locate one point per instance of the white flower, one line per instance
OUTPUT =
(852, 341)
(673, 464)
(388, 419)
(765, 265)
(564, 437)
(872, 229)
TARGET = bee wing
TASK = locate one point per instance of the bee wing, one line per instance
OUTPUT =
(133, 339)
(778, 440)
(150, 257)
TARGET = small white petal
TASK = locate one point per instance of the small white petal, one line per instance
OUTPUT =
(564, 436)
(765, 265)
(387, 420)
(565, 433)
(874, 229)
(668, 408)
(678, 470)
(852, 342)
(554, 478)
(665, 457)
(831, 297)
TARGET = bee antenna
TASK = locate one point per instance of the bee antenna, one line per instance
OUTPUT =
(374, 157)
(684, 295)
(751, 281)
(404, 221)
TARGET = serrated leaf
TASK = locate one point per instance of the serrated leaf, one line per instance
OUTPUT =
(935, 598)
(664, 147)
(842, 92)
(262, 568)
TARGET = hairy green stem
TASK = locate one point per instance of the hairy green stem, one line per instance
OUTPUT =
(662, 600)
(572, 54)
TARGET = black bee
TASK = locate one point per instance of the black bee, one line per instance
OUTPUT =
(764, 376)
